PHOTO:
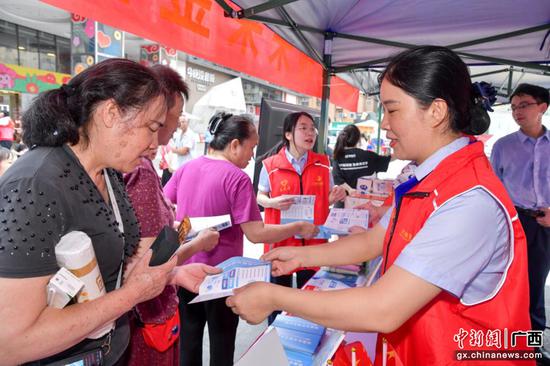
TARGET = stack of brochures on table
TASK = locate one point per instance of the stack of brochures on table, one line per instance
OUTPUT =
(371, 185)
(299, 337)
(352, 269)
(325, 280)
(237, 272)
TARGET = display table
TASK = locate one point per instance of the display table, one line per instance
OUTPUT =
(267, 350)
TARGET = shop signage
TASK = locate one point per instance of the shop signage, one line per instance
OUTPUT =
(201, 75)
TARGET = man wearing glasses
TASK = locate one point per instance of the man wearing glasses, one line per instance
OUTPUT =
(522, 162)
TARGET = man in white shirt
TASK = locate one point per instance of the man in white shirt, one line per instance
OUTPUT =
(183, 143)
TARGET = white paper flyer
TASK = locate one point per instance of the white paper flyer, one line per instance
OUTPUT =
(217, 223)
(339, 220)
(237, 272)
(301, 210)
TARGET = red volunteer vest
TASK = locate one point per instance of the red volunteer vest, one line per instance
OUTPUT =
(315, 180)
(432, 336)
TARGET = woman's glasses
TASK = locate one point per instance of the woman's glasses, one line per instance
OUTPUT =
(522, 106)
(311, 130)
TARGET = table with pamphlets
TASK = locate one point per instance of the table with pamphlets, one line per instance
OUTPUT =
(298, 342)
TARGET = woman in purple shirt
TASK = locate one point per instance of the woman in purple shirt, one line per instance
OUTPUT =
(216, 185)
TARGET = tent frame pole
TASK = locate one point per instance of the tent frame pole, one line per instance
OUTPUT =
(229, 12)
(510, 80)
(452, 46)
(268, 5)
(325, 97)
(490, 73)
(303, 40)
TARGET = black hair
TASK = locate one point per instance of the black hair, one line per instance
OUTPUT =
(63, 115)
(430, 72)
(289, 125)
(348, 137)
(540, 94)
(226, 127)
(5, 154)
(171, 83)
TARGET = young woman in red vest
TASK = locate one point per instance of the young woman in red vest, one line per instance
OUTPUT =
(293, 168)
(454, 275)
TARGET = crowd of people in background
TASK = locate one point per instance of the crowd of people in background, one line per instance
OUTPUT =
(10, 135)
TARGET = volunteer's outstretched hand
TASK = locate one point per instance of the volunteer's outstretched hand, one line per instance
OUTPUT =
(375, 212)
(308, 230)
(252, 302)
(284, 260)
(336, 194)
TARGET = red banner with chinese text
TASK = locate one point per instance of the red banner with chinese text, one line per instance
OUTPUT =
(198, 27)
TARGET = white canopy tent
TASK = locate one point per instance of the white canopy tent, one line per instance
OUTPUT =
(225, 97)
(504, 42)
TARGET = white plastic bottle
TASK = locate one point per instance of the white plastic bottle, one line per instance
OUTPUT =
(76, 253)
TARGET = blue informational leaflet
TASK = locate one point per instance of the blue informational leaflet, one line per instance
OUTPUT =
(240, 262)
(237, 272)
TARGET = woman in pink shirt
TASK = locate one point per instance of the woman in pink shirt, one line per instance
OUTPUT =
(7, 129)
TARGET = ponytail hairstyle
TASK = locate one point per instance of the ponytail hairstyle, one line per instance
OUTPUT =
(63, 115)
(438, 72)
(225, 127)
(289, 125)
(348, 137)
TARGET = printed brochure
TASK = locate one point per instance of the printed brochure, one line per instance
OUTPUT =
(237, 272)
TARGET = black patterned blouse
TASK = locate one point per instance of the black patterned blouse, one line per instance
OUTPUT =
(46, 194)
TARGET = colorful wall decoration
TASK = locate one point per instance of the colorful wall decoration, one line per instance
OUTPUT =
(26, 80)
(149, 54)
(110, 42)
(82, 43)
(152, 54)
(168, 56)
(93, 42)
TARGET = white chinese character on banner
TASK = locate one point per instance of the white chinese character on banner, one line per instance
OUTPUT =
(493, 338)
(459, 337)
(476, 338)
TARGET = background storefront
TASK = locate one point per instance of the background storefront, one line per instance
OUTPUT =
(31, 61)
